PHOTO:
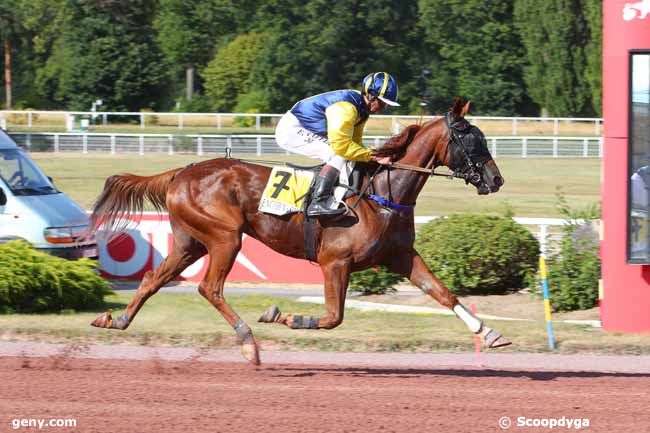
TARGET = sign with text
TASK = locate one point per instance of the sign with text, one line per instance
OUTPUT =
(142, 247)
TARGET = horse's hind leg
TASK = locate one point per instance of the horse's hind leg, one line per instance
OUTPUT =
(337, 275)
(413, 267)
(223, 251)
(185, 251)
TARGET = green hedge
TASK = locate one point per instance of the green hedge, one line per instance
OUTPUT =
(479, 254)
(374, 281)
(34, 282)
(574, 271)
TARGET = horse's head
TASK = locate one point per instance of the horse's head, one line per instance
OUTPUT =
(467, 153)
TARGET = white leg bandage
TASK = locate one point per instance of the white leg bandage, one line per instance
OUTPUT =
(473, 323)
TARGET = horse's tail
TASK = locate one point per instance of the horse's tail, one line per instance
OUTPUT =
(123, 197)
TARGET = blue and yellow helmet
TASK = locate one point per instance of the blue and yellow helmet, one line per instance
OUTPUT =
(381, 85)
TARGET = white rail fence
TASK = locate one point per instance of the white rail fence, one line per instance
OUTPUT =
(73, 120)
(501, 146)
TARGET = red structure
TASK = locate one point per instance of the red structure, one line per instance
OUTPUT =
(625, 290)
(143, 248)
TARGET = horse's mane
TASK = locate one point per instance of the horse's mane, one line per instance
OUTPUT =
(397, 144)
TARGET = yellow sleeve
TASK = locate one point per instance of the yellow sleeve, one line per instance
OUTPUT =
(357, 135)
(344, 138)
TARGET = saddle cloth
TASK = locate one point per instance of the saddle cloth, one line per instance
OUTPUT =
(287, 188)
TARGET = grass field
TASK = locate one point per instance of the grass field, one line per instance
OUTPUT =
(530, 189)
(188, 320)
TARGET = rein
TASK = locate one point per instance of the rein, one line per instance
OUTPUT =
(470, 174)
(430, 172)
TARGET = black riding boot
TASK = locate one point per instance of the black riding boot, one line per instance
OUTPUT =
(323, 190)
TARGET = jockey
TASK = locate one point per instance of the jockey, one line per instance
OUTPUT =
(329, 127)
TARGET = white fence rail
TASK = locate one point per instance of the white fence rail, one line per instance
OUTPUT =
(503, 146)
(72, 120)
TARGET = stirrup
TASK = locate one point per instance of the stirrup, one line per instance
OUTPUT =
(316, 210)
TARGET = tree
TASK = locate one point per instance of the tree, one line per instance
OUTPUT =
(555, 34)
(41, 25)
(283, 70)
(508, 57)
(9, 28)
(106, 51)
(473, 50)
(227, 76)
(320, 46)
(188, 32)
(593, 11)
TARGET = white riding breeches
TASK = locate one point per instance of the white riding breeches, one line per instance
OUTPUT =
(293, 137)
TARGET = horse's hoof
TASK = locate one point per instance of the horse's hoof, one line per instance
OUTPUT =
(493, 339)
(103, 321)
(251, 353)
(271, 315)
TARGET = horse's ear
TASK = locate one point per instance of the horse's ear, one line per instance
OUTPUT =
(456, 108)
(465, 109)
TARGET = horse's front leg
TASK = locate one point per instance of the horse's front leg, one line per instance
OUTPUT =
(337, 276)
(413, 267)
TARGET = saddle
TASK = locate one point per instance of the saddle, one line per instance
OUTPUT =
(354, 179)
(289, 190)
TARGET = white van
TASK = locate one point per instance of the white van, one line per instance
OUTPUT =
(32, 209)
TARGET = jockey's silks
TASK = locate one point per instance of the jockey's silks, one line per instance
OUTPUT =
(340, 116)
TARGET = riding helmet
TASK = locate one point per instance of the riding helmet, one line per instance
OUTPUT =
(381, 85)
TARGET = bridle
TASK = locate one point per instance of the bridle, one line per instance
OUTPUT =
(470, 171)
(457, 131)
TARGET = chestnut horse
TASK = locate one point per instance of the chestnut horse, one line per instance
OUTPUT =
(212, 203)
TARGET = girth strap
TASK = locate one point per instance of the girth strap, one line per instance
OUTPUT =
(310, 238)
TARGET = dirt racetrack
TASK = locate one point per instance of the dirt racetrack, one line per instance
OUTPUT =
(155, 394)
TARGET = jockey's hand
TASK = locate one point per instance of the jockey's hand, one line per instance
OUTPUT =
(383, 160)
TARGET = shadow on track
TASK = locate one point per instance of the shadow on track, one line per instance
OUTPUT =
(465, 373)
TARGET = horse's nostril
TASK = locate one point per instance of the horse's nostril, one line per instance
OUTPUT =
(498, 181)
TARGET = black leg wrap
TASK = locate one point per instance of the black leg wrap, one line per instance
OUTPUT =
(271, 315)
(243, 331)
(121, 322)
(304, 322)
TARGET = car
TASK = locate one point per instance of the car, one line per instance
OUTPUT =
(34, 210)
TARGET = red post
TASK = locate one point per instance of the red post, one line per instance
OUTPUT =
(625, 289)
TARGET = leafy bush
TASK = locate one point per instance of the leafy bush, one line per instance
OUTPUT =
(246, 121)
(479, 254)
(374, 281)
(198, 104)
(255, 101)
(150, 120)
(252, 102)
(573, 272)
(33, 281)
(228, 75)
